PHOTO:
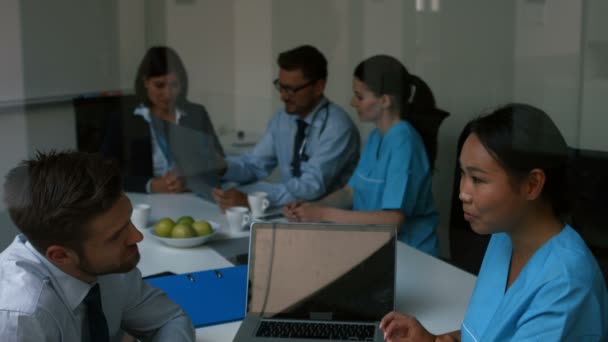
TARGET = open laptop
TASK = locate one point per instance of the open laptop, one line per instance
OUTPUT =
(318, 282)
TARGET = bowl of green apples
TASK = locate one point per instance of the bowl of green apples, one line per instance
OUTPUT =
(185, 232)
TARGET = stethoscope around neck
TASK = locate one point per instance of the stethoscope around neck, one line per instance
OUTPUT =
(302, 151)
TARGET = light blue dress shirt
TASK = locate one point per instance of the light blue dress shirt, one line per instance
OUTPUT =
(560, 294)
(39, 302)
(331, 144)
(160, 163)
(394, 173)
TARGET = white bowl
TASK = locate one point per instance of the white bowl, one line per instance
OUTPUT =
(185, 242)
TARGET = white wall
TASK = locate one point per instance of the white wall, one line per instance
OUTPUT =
(13, 134)
(595, 80)
(155, 22)
(548, 60)
(11, 66)
(131, 42)
(202, 33)
(253, 66)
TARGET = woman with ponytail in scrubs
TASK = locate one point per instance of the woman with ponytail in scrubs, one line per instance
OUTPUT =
(538, 280)
(392, 181)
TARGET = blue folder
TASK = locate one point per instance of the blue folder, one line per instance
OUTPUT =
(208, 297)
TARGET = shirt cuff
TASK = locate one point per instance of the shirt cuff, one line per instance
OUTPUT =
(231, 173)
(277, 193)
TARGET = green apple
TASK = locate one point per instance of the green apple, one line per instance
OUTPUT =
(163, 227)
(185, 219)
(182, 230)
(202, 227)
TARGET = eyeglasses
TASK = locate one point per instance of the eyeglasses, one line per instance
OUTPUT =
(291, 90)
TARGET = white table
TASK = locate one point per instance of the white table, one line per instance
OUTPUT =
(434, 291)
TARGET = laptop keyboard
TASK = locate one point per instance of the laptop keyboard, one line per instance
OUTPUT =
(317, 330)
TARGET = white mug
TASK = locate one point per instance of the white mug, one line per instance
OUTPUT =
(238, 217)
(258, 202)
(140, 215)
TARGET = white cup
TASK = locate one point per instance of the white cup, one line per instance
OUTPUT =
(258, 202)
(141, 215)
(238, 217)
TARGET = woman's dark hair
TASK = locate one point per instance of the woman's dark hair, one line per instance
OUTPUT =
(160, 61)
(521, 138)
(421, 98)
(53, 197)
(385, 75)
(411, 96)
(306, 58)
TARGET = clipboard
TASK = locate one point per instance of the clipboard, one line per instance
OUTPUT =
(208, 297)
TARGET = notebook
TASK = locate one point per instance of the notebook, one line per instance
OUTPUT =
(196, 159)
(208, 297)
(316, 282)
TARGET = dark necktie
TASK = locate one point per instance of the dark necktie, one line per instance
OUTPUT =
(98, 327)
(297, 145)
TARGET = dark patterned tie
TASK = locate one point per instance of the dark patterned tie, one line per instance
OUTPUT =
(98, 327)
(297, 145)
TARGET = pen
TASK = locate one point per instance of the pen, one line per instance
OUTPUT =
(229, 185)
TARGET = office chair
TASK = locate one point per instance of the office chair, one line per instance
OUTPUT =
(92, 118)
(424, 115)
(589, 203)
(427, 124)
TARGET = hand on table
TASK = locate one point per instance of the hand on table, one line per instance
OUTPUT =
(169, 182)
(300, 211)
(399, 327)
(288, 210)
(230, 198)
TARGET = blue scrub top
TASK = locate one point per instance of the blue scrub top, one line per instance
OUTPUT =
(394, 173)
(559, 295)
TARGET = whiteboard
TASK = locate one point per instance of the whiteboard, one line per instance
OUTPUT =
(68, 47)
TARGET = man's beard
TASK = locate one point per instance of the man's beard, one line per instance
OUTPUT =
(86, 267)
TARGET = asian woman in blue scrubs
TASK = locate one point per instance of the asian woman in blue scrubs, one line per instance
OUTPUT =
(392, 181)
(538, 280)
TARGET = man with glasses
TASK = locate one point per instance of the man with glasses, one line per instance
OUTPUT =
(312, 141)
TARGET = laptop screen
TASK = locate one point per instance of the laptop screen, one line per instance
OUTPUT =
(321, 271)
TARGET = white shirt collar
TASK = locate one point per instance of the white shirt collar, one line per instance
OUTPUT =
(310, 116)
(143, 111)
(72, 289)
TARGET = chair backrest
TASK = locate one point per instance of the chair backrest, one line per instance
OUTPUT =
(423, 114)
(427, 124)
(589, 204)
(92, 116)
